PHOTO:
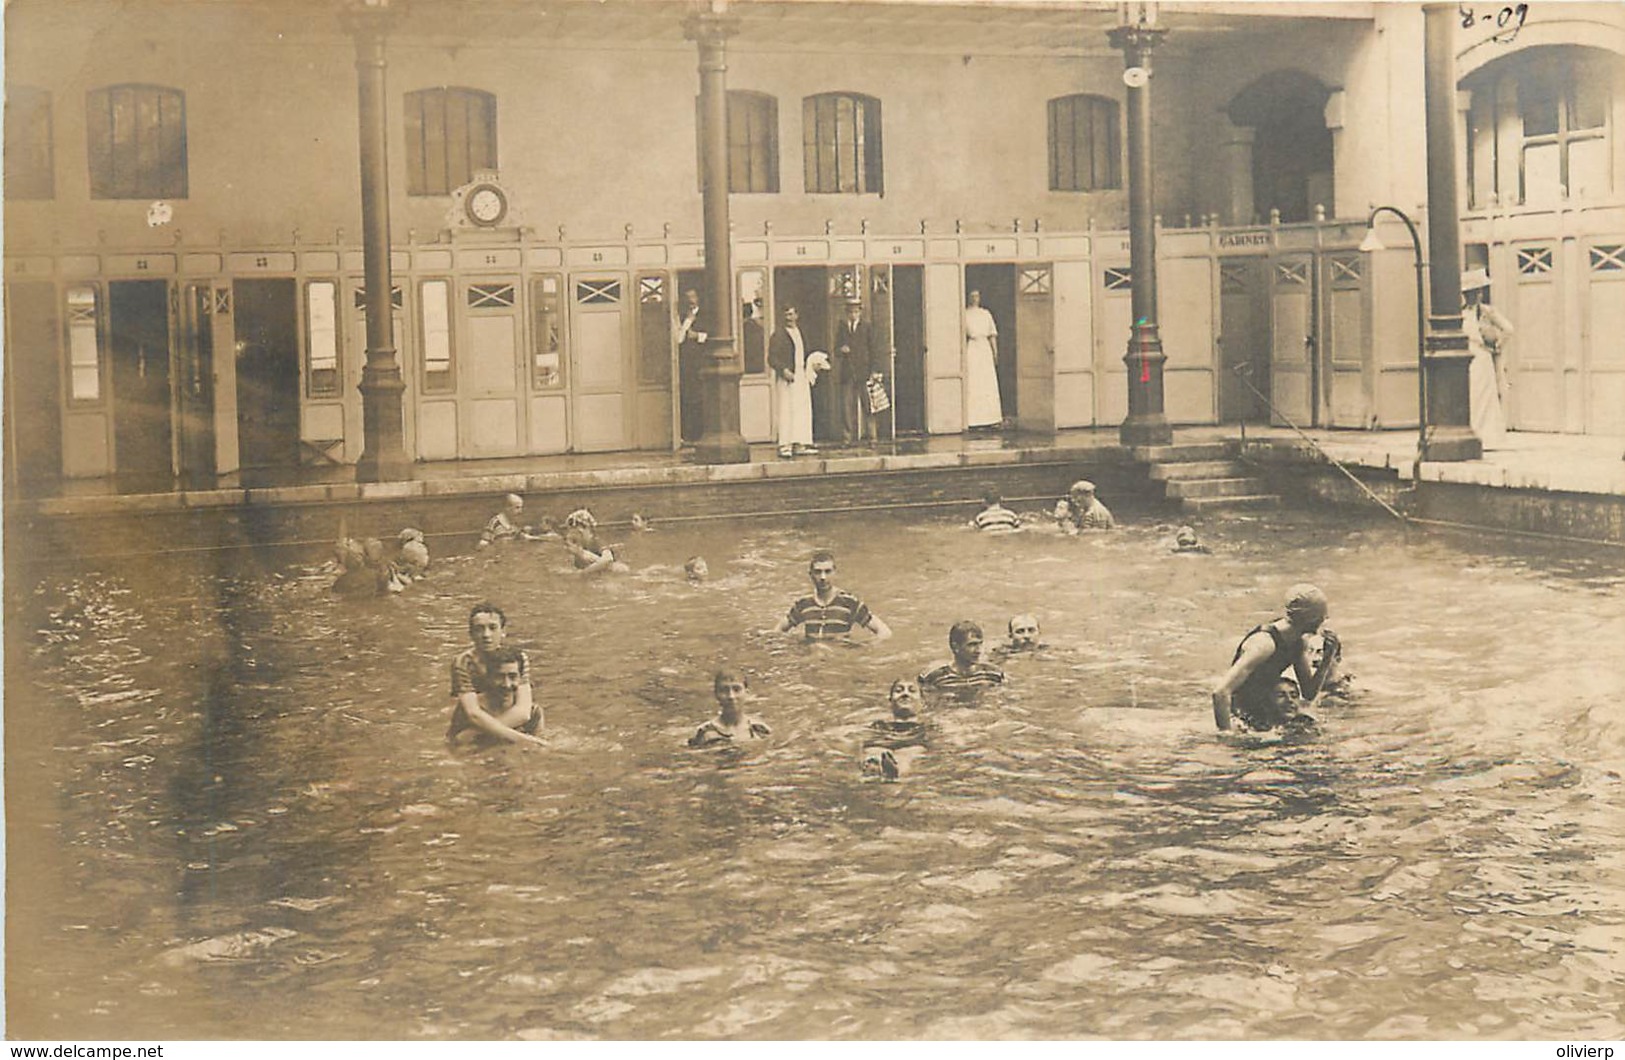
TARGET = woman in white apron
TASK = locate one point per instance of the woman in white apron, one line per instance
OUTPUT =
(981, 373)
(792, 384)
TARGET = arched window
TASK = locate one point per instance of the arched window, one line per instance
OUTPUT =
(1540, 126)
(1085, 145)
(451, 134)
(137, 140)
(29, 170)
(841, 144)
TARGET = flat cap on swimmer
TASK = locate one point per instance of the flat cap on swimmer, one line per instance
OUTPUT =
(1306, 602)
(410, 534)
(1083, 485)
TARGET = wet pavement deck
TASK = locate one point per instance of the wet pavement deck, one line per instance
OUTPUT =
(1549, 462)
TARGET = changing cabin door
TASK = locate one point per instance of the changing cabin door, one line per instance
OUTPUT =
(1292, 340)
(1035, 348)
(1244, 349)
(603, 376)
(492, 384)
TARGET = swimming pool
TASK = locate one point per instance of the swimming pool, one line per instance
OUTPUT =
(231, 812)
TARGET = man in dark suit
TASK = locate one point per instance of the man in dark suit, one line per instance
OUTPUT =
(853, 361)
(690, 362)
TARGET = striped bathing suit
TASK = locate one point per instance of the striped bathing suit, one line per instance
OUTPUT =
(834, 619)
(947, 679)
(997, 517)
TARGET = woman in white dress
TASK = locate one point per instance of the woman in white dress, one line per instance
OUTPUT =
(1486, 329)
(793, 379)
(981, 373)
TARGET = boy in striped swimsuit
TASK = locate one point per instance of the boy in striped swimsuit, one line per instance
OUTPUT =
(994, 515)
(830, 613)
(967, 675)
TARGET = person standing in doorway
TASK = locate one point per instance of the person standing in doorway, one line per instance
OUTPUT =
(853, 361)
(792, 385)
(690, 362)
(981, 366)
(1486, 331)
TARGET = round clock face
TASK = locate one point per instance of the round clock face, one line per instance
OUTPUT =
(486, 204)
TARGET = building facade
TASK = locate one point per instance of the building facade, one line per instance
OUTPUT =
(183, 249)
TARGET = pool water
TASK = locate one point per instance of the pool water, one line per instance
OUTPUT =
(232, 813)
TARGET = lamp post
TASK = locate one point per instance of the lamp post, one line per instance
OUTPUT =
(1372, 242)
(720, 441)
(1146, 424)
(383, 451)
(1449, 390)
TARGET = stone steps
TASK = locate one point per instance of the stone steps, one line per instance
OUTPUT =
(1198, 469)
(1205, 477)
(1206, 488)
(1202, 505)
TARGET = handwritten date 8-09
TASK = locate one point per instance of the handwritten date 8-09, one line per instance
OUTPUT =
(1508, 20)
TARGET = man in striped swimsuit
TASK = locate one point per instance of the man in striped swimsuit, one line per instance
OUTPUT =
(967, 675)
(830, 613)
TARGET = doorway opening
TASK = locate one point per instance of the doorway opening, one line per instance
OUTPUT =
(1244, 339)
(997, 285)
(690, 355)
(33, 386)
(908, 338)
(1292, 148)
(138, 344)
(267, 339)
(807, 287)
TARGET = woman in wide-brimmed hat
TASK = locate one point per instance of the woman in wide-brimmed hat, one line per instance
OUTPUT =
(1487, 329)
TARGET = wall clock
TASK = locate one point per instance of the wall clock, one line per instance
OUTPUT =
(486, 205)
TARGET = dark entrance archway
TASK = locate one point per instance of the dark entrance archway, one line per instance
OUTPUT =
(1292, 148)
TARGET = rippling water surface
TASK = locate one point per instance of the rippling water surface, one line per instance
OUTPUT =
(231, 811)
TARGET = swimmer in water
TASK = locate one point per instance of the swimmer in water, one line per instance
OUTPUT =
(1023, 638)
(731, 725)
(411, 560)
(967, 674)
(994, 516)
(1255, 690)
(490, 683)
(588, 553)
(830, 613)
(891, 745)
(504, 525)
(696, 569)
(1186, 541)
(1081, 510)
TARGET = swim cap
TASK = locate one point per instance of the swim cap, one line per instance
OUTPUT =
(580, 517)
(1083, 485)
(1305, 603)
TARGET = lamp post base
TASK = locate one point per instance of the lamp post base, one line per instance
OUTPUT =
(1452, 444)
(1148, 429)
(721, 442)
(383, 454)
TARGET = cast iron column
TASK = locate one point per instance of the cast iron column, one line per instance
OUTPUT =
(720, 441)
(1449, 402)
(383, 452)
(1146, 423)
